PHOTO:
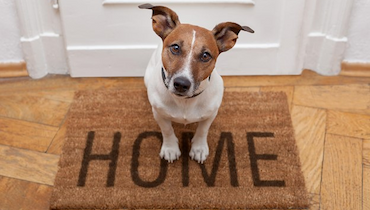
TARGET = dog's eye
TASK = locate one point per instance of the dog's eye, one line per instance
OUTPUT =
(175, 49)
(205, 57)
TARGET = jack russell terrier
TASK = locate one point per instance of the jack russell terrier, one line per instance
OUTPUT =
(181, 81)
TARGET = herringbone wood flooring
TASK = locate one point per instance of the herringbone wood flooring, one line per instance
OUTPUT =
(331, 118)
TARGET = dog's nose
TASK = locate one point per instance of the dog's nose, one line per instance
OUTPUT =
(181, 84)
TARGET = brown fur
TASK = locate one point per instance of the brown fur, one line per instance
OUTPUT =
(166, 24)
(164, 20)
(204, 42)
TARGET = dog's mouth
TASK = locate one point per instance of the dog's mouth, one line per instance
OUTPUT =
(195, 89)
(191, 94)
(180, 94)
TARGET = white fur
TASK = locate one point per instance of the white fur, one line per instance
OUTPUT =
(168, 107)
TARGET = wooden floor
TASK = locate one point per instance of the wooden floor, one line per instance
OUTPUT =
(331, 117)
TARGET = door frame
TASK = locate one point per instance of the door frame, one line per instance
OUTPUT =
(322, 42)
(41, 37)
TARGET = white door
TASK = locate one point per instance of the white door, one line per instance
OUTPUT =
(115, 38)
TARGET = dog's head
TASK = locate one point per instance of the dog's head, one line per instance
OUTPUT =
(190, 52)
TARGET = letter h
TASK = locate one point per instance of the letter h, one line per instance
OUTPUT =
(112, 156)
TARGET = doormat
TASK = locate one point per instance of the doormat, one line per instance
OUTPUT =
(111, 156)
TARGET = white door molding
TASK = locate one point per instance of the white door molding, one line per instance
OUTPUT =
(327, 40)
(42, 42)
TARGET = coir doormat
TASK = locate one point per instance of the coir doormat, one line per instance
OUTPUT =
(111, 156)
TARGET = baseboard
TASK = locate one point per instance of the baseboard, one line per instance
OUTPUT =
(13, 69)
(355, 69)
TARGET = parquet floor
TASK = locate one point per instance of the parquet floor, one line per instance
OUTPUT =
(331, 117)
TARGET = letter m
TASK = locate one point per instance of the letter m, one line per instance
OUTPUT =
(210, 178)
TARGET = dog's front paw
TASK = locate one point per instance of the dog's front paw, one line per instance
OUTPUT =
(170, 152)
(199, 151)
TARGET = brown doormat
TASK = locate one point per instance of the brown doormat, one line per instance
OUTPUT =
(111, 156)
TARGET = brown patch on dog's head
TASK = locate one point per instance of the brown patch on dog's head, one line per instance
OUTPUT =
(191, 49)
(204, 51)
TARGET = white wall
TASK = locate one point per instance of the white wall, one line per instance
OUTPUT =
(358, 49)
(10, 45)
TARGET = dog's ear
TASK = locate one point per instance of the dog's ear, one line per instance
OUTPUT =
(164, 19)
(226, 34)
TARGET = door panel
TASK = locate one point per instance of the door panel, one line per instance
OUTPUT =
(115, 38)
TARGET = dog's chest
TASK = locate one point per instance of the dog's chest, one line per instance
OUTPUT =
(184, 112)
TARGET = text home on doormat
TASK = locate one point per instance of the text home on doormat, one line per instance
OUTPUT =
(111, 156)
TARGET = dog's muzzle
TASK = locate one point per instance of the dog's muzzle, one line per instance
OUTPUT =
(181, 85)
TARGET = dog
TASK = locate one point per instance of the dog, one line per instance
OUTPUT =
(181, 80)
